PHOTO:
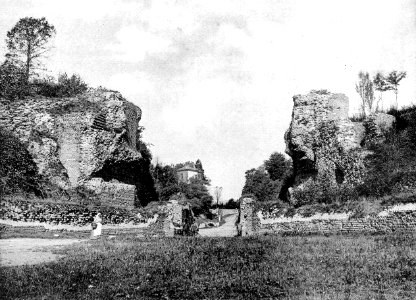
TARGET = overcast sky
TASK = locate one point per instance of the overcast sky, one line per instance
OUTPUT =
(215, 78)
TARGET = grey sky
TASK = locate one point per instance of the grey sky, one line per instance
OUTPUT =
(215, 77)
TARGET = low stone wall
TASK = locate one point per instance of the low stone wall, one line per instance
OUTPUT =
(10, 231)
(26, 217)
(63, 213)
(389, 221)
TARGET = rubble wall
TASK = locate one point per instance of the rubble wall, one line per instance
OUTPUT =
(393, 221)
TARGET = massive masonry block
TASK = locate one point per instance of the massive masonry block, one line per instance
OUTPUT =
(87, 141)
(325, 144)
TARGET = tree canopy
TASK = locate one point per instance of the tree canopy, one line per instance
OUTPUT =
(277, 166)
(28, 41)
(259, 184)
(394, 79)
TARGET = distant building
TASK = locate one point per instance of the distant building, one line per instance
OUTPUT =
(187, 172)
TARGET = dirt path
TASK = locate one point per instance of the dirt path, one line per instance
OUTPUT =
(18, 252)
(226, 229)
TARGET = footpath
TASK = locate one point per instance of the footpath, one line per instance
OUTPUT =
(226, 229)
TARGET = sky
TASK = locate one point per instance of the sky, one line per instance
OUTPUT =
(215, 78)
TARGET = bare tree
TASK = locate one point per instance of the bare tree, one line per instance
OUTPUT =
(365, 89)
(381, 85)
(394, 79)
(27, 42)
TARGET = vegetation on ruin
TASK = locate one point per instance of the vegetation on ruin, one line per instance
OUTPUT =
(340, 267)
(18, 172)
(367, 87)
(374, 182)
(390, 168)
(392, 164)
(21, 72)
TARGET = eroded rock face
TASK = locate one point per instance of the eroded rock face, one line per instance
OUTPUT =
(324, 144)
(72, 139)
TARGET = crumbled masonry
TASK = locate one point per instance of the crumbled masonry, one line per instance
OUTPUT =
(324, 144)
(87, 142)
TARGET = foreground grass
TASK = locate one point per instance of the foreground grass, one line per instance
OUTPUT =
(366, 267)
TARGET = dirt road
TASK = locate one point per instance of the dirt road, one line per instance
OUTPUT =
(18, 252)
(226, 229)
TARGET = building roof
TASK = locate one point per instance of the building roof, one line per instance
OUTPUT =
(188, 168)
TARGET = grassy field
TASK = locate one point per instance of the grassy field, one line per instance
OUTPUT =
(337, 267)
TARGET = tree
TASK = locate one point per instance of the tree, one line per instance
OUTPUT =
(259, 183)
(196, 188)
(394, 79)
(277, 166)
(217, 193)
(365, 89)
(231, 204)
(381, 85)
(166, 181)
(198, 165)
(27, 42)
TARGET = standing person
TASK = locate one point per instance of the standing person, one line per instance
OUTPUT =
(96, 226)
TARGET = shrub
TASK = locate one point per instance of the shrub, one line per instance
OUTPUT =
(64, 87)
(18, 172)
(323, 192)
(12, 81)
(71, 86)
(386, 176)
(46, 87)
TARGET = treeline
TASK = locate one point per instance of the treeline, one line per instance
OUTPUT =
(21, 72)
(367, 86)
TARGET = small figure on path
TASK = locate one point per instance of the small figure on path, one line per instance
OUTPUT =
(96, 226)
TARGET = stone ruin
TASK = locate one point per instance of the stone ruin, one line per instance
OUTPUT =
(324, 144)
(180, 219)
(87, 142)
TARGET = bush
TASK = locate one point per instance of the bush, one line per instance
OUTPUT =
(12, 81)
(71, 86)
(323, 192)
(18, 171)
(386, 176)
(65, 87)
(46, 87)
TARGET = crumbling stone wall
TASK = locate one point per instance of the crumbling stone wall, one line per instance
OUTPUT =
(115, 194)
(248, 220)
(324, 144)
(180, 219)
(72, 139)
(25, 217)
(58, 213)
(388, 222)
